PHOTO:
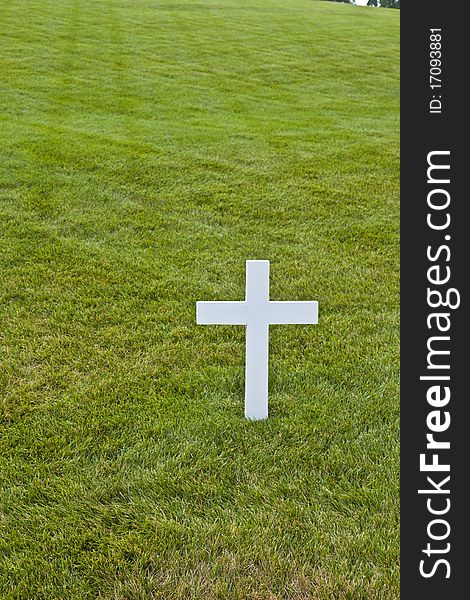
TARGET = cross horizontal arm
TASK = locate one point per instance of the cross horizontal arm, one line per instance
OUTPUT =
(293, 313)
(221, 313)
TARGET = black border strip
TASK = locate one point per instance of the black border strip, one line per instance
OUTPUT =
(423, 132)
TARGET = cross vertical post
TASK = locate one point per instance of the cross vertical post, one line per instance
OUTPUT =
(257, 339)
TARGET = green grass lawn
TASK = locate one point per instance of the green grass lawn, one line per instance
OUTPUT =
(148, 149)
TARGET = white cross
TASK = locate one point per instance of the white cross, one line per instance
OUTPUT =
(257, 312)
